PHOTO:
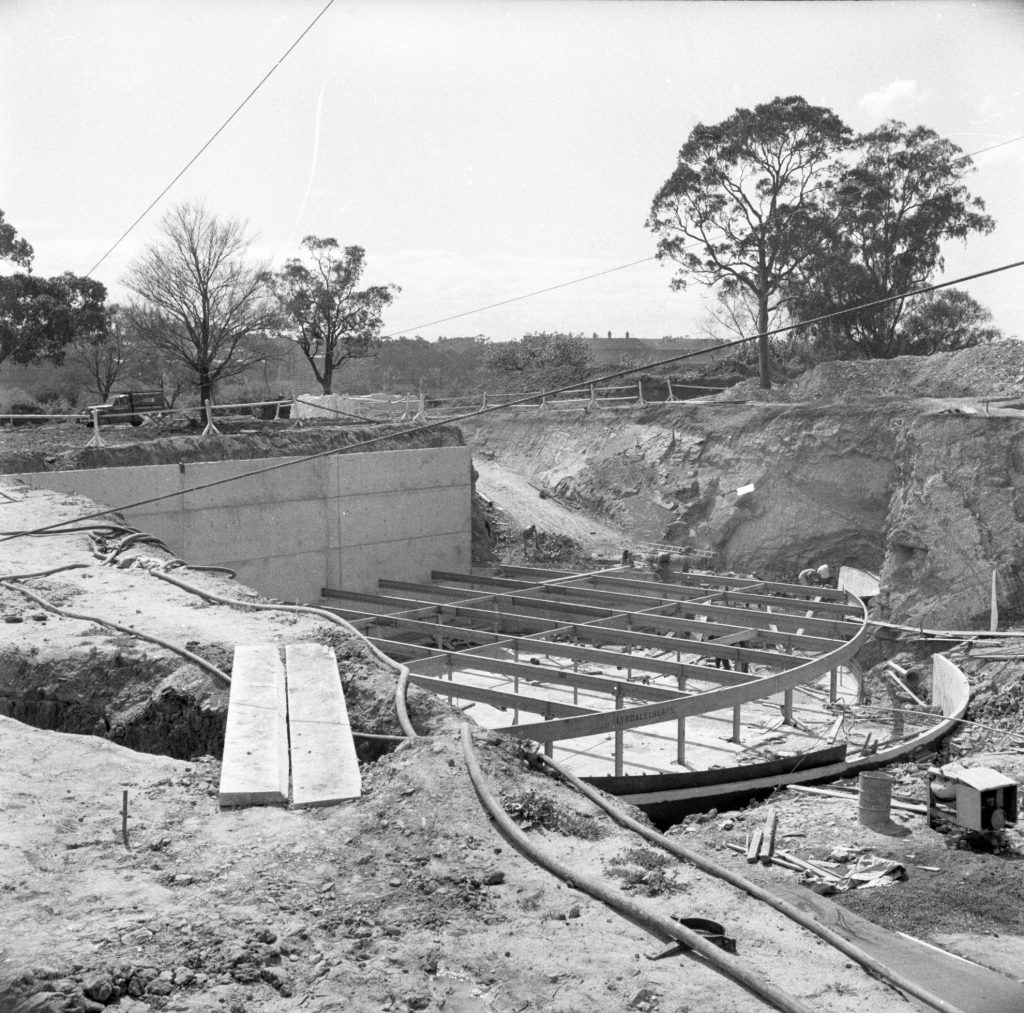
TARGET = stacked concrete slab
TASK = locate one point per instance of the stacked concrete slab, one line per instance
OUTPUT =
(324, 764)
(254, 770)
(287, 719)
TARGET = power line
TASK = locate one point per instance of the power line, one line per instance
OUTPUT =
(511, 404)
(212, 138)
(517, 298)
(634, 263)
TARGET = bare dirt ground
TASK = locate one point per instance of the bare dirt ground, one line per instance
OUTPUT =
(524, 507)
(407, 899)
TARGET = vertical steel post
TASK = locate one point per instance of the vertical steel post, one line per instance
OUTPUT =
(736, 724)
(618, 734)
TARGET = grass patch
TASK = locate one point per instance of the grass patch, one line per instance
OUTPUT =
(646, 872)
(532, 810)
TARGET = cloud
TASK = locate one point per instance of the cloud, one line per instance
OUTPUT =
(883, 102)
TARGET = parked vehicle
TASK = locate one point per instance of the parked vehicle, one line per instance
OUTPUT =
(126, 407)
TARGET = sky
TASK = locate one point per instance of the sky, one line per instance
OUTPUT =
(477, 150)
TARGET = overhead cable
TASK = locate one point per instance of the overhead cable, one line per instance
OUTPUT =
(124, 235)
(623, 267)
(525, 399)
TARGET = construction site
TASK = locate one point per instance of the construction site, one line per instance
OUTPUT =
(532, 708)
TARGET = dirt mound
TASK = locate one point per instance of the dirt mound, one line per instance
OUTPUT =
(60, 447)
(995, 370)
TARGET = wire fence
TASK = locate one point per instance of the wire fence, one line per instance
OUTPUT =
(373, 408)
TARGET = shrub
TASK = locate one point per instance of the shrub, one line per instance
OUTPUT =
(26, 408)
(532, 809)
(645, 872)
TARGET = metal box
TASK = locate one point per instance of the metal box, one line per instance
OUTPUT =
(986, 801)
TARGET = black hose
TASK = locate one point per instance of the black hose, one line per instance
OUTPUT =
(650, 921)
(866, 960)
(45, 573)
(403, 672)
(184, 652)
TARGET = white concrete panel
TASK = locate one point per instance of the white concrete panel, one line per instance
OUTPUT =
(114, 486)
(390, 470)
(359, 567)
(254, 769)
(280, 481)
(294, 579)
(324, 764)
(404, 513)
(278, 529)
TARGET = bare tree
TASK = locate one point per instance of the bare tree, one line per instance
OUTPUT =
(105, 362)
(206, 301)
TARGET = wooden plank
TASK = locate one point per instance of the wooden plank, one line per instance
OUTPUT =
(605, 626)
(661, 596)
(910, 807)
(757, 635)
(500, 699)
(771, 823)
(626, 575)
(254, 768)
(702, 703)
(965, 985)
(324, 765)
(754, 847)
(547, 675)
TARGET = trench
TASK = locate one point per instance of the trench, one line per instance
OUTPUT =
(109, 693)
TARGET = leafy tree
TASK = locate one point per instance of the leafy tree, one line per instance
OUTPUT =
(204, 300)
(547, 358)
(323, 312)
(945, 321)
(13, 248)
(41, 317)
(747, 202)
(893, 210)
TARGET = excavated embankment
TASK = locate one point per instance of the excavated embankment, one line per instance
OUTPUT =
(926, 490)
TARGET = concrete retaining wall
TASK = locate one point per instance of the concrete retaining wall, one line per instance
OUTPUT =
(342, 521)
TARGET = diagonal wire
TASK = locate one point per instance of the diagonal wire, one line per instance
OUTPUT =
(241, 105)
(525, 399)
(634, 263)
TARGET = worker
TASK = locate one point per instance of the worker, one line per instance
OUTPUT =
(824, 575)
(663, 567)
(809, 576)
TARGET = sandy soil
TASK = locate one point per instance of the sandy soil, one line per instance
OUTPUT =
(407, 899)
(525, 507)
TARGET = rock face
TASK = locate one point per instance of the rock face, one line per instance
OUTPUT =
(955, 516)
(916, 490)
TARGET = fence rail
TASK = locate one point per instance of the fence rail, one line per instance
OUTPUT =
(376, 408)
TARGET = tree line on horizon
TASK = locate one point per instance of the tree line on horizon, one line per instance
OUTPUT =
(780, 211)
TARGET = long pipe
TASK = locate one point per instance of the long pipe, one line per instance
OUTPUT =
(865, 959)
(403, 672)
(184, 652)
(650, 921)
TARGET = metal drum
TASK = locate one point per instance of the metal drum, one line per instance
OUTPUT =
(875, 799)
